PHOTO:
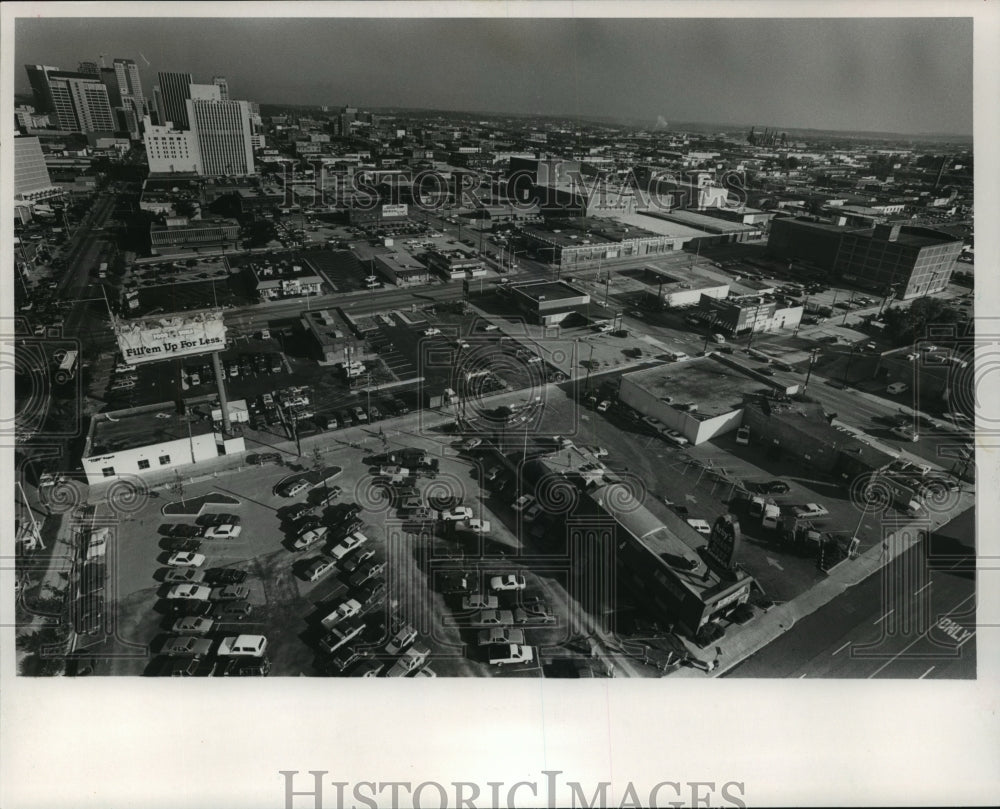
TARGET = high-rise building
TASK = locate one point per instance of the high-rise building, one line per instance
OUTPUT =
(170, 150)
(175, 90)
(38, 78)
(109, 78)
(31, 175)
(90, 68)
(131, 86)
(81, 102)
(223, 132)
(223, 85)
(158, 112)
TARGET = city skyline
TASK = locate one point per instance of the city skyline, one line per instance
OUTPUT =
(881, 76)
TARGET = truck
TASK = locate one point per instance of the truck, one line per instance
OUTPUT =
(346, 609)
(799, 533)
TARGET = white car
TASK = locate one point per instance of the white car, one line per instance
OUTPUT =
(522, 503)
(603, 406)
(431, 332)
(190, 592)
(412, 659)
(243, 646)
(349, 543)
(457, 513)
(906, 433)
(509, 581)
(700, 526)
(500, 634)
(810, 511)
(479, 526)
(186, 559)
(480, 602)
(599, 452)
(225, 531)
(307, 538)
(472, 443)
(507, 653)
(401, 640)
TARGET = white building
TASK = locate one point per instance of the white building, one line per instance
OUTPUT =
(170, 150)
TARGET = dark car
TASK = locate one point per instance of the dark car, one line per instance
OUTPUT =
(186, 531)
(193, 667)
(349, 527)
(260, 460)
(774, 487)
(299, 510)
(372, 595)
(366, 573)
(230, 611)
(357, 560)
(225, 575)
(182, 608)
(247, 667)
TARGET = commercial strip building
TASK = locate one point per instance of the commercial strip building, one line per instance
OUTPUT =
(724, 231)
(333, 338)
(910, 260)
(180, 232)
(581, 243)
(400, 268)
(144, 440)
(548, 302)
(733, 317)
(677, 286)
(275, 282)
(455, 265)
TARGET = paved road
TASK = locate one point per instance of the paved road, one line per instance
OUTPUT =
(913, 619)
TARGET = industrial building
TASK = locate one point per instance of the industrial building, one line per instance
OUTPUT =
(908, 260)
(724, 231)
(144, 440)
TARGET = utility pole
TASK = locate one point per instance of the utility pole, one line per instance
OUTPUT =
(847, 366)
(753, 325)
(812, 361)
(847, 311)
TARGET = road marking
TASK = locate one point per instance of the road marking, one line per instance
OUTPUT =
(841, 649)
(923, 588)
(926, 673)
(918, 638)
(802, 677)
(880, 620)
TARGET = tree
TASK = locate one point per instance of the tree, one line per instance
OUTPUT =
(909, 324)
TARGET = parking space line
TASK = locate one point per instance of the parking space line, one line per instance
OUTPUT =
(926, 673)
(918, 592)
(840, 649)
(880, 620)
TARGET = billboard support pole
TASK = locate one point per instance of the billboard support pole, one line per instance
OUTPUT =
(220, 379)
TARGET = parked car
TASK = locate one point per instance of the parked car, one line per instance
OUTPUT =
(349, 656)
(180, 575)
(310, 537)
(186, 559)
(774, 487)
(480, 602)
(357, 560)
(224, 611)
(403, 638)
(230, 592)
(508, 653)
(500, 634)
(192, 625)
(508, 581)
(293, 488)
(247, 667)
(525, 617)
(187, 645)
(178, 544)
(224, 531)
(489, 618)
(243, 646)
(349, 543)
(365, 574)
(318, 568)
(408, 662)
(457, 513)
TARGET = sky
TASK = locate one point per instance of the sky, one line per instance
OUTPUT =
(909, 76)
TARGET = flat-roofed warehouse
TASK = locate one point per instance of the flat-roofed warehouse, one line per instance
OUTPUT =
(700, 398)
(145, 440)
(549, 302)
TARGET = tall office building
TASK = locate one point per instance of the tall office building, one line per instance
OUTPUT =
(158, 112)
(175, 90)
(31, 175)
(223, 85)
(81, 102)
(130, 85)
(38, 78)
(90, 68)
(223, 132)
(109, 78)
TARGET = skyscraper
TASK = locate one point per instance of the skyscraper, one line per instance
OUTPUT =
(90, 68)
(109, 78)
(31, 175)
(158, 112)
(81, 102)
(175, 90)
(223, 133)
(130, 85)
(223, 85)
(38, 78)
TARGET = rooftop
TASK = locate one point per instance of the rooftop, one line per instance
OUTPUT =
(715, 387)
(700, 221)
(643, 225)
(156, 424)
(549, 290)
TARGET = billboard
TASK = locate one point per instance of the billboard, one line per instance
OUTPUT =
(394, 210)
(166, 337)
(724, 541)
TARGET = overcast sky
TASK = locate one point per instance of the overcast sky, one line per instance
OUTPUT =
(892, 75)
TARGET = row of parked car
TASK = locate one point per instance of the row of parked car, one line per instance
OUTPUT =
(206, 608)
